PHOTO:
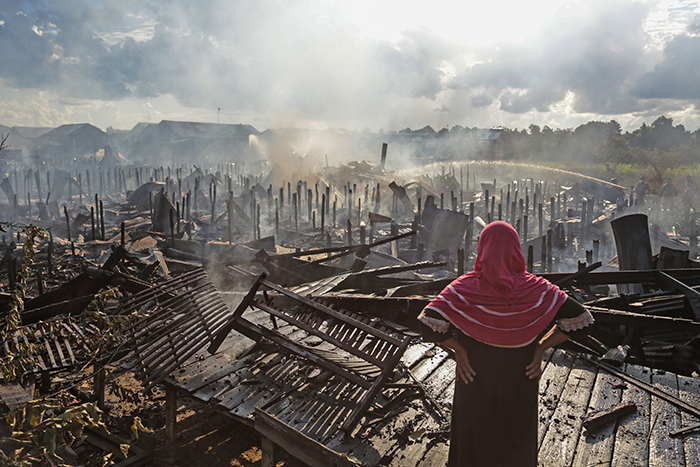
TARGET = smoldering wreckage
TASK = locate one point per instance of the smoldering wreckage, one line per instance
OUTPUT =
(291, 307)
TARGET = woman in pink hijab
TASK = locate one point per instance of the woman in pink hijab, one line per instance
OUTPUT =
(494, 319)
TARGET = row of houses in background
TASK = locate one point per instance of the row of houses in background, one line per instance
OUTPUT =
(182, 142)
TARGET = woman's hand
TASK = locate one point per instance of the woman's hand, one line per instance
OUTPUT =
(464, 370)
(534, 369)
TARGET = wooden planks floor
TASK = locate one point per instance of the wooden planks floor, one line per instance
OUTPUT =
(404, 430)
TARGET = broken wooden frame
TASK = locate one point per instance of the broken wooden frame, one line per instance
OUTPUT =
(190, 312)
(57, 351)
(356, 348)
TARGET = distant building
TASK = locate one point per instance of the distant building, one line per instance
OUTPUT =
(73, 141)
(183, 141)
(490, 143)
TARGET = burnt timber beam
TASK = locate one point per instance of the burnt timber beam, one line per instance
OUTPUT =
(563, 282)
(405, 310)
(692, 294)
(228, 327)
(686, 276)
(297, 444)
(603, 417)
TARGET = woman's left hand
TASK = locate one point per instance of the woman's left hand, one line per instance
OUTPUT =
(534, 369)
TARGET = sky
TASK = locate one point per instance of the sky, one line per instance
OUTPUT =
(355, 64)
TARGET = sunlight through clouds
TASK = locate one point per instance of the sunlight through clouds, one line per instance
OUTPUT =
(352, 64)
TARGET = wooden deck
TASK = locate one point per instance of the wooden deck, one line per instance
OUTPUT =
(410, 431)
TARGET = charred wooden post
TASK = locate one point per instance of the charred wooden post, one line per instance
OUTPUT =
(419, 210)
(378, 199)
(508, 203)
(486, 204)
(460, 261)
(359, 210)
(382, 161)
(323, 213)
(277, 219)
(596, 250)
(102, 220)
(551, 212)
(213, 203)
(172, 227)
(525, 228)
(521, 208)
(296, 212)
(123, 237)
(349, 232)
(38, 185)
(549, 250)
(470, 228)
(65, 212)
(49, 255)
(309, 205)
(633, 246)
(92, 221)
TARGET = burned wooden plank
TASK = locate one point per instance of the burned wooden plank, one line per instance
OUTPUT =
(597, 446)
(552, 384)
(559, 443)
(601, 418)
(13, 395)
(689, 391)
(664, 449)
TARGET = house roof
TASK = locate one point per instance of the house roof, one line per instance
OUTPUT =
(31, 131)
(490, 134)
(67, 129)
(168, 130)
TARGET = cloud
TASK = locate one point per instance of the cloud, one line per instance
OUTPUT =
(694, 26)
(274, 60)
(593, 58)
(677, 76)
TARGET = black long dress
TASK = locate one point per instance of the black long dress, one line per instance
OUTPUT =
(494, 418)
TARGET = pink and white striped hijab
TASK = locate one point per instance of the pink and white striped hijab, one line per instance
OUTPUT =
(499, 303)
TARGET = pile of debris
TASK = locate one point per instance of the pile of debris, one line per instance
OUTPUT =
(332, 271)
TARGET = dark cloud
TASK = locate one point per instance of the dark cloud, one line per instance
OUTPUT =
(677, 76)
(591, 57)
(411, 67)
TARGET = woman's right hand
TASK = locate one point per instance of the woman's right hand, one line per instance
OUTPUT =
(464, 370)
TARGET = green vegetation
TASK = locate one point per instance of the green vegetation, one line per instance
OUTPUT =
(659, 150)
